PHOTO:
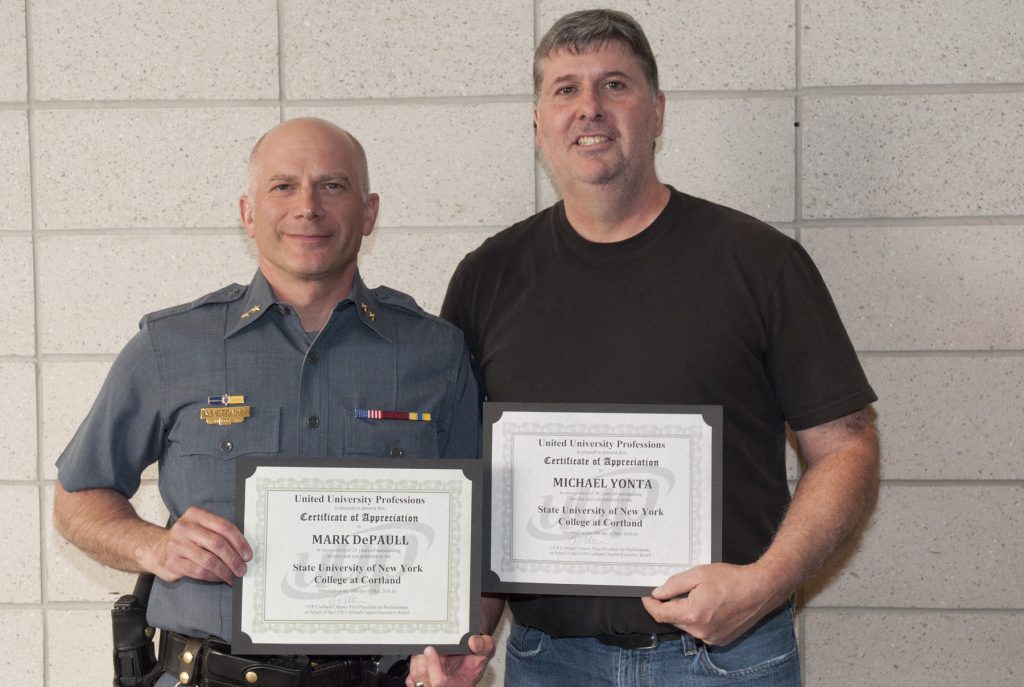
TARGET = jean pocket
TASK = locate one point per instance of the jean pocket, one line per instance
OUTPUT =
(525, 641)
(768, 648)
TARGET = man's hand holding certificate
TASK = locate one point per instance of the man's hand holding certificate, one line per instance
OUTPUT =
(615, 499)
(358, 559)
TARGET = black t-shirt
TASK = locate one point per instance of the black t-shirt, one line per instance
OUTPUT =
(705, 306)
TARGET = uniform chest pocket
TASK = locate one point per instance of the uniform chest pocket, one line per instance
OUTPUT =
(390, 438)
(260, 433)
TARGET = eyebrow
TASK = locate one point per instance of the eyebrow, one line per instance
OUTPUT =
(603, 75)
(329, 176)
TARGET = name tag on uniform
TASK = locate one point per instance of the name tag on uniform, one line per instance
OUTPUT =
(224, 416)
(229, 410)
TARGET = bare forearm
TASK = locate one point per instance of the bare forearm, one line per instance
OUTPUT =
(832, 497)
(718, 602)
(491, 608)
(200, 545)
(103, 524)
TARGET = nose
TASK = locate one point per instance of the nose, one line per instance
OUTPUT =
(308, 203)
(589, 104)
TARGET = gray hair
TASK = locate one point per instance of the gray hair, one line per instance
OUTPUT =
(581, 31)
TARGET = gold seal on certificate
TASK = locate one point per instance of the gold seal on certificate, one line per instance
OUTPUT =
(358, 557)
(597, 499)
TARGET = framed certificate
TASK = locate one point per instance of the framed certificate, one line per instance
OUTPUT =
(599, 500)
(358, 557)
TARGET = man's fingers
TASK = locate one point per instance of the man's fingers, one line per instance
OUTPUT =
(221, 549)
(187, 558)
(672, 588)
(673, 612)
(410, 679)
(227, 530)
(436, 676)
(207, 547)
(431, 669)
(679, 584)
(222, 527)
(416, 671)
(482, 645)
(425, 669)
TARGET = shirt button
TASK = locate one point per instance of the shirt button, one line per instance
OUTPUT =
(282, 309)
(397, 452)
(226, 446)
(313, 357)
(312, 422)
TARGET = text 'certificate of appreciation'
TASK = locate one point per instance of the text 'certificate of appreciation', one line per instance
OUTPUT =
(600, 500)
(356, 557)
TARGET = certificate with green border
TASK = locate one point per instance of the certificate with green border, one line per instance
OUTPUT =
(358, 557)
(599, 500)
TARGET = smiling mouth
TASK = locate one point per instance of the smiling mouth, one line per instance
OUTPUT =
(309, 238)
(591, 140)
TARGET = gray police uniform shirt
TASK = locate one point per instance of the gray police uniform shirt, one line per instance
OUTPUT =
(378, 351)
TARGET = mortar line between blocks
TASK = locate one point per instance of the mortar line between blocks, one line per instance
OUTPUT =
(34, 227)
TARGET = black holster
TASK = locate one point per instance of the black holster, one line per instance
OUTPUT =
(134, 655)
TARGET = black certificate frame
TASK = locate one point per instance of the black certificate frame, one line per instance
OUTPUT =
(712, 416)
(470, 469)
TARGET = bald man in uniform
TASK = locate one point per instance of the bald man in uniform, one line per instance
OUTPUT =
(303, 346)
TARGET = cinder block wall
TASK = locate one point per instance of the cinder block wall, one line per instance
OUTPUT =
(887, 137)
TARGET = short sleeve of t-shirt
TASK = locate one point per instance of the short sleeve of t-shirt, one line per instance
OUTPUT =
(810, 361)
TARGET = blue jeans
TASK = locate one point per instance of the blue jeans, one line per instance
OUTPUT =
(765, 656)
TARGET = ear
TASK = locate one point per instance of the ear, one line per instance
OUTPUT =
(370, 213)
(245, 214)
(659, 108)
(536, 131)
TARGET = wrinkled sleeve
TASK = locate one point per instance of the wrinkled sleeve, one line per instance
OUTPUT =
(811, 361)
(123, 432)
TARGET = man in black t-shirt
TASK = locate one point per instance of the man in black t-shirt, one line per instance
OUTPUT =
(629, 291)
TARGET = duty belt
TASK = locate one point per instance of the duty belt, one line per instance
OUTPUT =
(209, 663)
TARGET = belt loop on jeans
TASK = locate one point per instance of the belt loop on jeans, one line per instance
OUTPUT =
(691, 645)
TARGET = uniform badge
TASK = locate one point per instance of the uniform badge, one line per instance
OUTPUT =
(226, 410)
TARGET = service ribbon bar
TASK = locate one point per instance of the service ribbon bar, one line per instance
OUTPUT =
(225, 400)
(392, 415)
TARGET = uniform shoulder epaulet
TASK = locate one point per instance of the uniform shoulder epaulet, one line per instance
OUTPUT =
(389, 297)
(229, 293)
(397, 299)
